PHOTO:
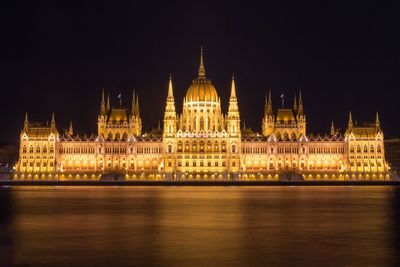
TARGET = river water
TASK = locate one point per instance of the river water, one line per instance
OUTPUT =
(200, 226)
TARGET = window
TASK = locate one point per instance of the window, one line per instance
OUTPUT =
(51, 149)
(233, 148)
(169, 148)
(201, 124)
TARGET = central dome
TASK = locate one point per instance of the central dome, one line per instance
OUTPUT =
(201, 89)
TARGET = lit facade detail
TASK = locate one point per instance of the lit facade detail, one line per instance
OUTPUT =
(203, 143)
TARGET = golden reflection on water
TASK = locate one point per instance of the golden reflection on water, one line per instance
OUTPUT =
(200, 226)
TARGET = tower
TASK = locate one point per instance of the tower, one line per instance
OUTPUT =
(170, 118)
(269, 118)
(103, 115)
(169, 131)
(301, 117)
(135, 121)
(233, 120)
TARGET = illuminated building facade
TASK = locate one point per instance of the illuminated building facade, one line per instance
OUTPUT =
(202, 143)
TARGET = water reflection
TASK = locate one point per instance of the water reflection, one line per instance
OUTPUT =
(199, 226)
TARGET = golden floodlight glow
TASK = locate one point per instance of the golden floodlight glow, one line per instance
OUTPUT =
(201, 142)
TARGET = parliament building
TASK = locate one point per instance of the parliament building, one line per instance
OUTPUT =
(201, 143)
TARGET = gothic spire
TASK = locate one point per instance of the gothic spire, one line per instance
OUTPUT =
(133, 101)
(350, 124)
(295, 103)
(170, 90)
(377, 121)
(103, 104)
(269, 103)
(108, 102)
(233, 88)
(202, 70)
(137, 104)
(26, 122)
(70, 129)
(333, 131)
(53, 121)
(300, 106)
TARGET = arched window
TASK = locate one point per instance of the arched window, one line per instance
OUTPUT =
(379, 149)
(271, 150)
(187, 146)
(223, 148)
(201, 124)
(358, 149)
(131, 150)
(365, 149)
(38, 149)
(303, 149)
(194, 146)
(44, 149)
(216, 146)
(372, 149)
(351, 149)
(169, 148)
(180, 146)
(52, 149)
(24, 149)
(99, 150)
(31, 149)
(233, 148)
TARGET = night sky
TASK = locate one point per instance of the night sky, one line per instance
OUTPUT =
(58, 57)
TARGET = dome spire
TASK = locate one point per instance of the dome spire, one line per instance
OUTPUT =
(202, 70)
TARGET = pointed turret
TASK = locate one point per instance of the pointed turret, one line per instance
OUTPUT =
(333, 131)
(108, 103)
(170, 119)
(26, 122)
(350, 124)
(233, 116)
(233, 88)
(269, 104)
(377, 122)
(300, 106)
(295, 103)
(70, 129)
(202, 70)
(103, 104)
(170, 90)
(53, 121)
(133, 102)
(137, 104)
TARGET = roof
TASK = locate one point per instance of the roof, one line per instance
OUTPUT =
(364, 131)
(285, 115)
(202, 90)
(118, 114)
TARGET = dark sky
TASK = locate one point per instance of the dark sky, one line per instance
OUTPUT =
(57, 57)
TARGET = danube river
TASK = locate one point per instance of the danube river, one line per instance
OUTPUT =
(200, 226)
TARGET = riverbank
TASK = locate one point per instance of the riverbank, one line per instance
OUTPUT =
(200, 183)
